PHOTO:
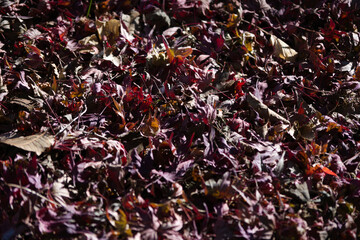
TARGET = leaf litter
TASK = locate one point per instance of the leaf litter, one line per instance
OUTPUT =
(179, 120)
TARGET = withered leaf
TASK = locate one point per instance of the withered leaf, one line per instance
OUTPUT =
(37, 143)
(283, 50)
(151, 127)
(306, 132)
(28, 104)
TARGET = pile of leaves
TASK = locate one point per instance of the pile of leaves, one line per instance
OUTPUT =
(179, 119)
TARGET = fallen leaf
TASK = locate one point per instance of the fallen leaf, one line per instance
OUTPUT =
(37, 143)
(306, 132)
(283, 50)
(324, 169)
(263, 110)
(151, 127)
(109, 29)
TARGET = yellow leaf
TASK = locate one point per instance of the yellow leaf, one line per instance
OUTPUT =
(121, 224)
(247, 39)
(78, 90)
(232, 21)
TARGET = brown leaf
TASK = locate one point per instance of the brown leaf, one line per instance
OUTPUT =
(282, 50)
(151, 127)
(37, 143)
(110, 29)
(263, 110)
(307, 132)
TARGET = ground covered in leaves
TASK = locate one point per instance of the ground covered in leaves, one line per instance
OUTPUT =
(179, 119)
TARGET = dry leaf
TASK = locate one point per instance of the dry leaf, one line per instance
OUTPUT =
(26, 103)
(89, 40)
(37, 143)
(59, 192)
(151, 127)
(248, 40)
(110, 29)
(108, 55)
(263, 110)
(91, 44)
(282, 50)
(306, 132)
(3, 89)
(301, 191)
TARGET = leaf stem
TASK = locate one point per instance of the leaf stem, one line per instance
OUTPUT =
(89, 8)
(32, 192)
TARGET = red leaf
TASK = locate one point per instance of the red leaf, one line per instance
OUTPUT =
(332, 25)
(301, 109)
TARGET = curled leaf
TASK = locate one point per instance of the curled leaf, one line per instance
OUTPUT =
(283, 50)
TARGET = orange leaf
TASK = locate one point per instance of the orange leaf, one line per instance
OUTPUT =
(357, 73)
(232, 21)
(179, 54)
(78, 90)
(64, 3)
(54, 84)
(169, 51)
(117, 105)
(303, 160)
(326, 170)
(171, 54)
(183, 52)
(333, 125)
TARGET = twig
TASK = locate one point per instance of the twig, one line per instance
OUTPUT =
(69, 124)
(32, 192)
(261, 29)
(263, 110)
(153, 79)
(45, 100)
(287, 115)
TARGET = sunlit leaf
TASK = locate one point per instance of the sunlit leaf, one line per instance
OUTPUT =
(37, 143)
(283, 50)
(324, 169)
(177, 55)
(233, 21)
